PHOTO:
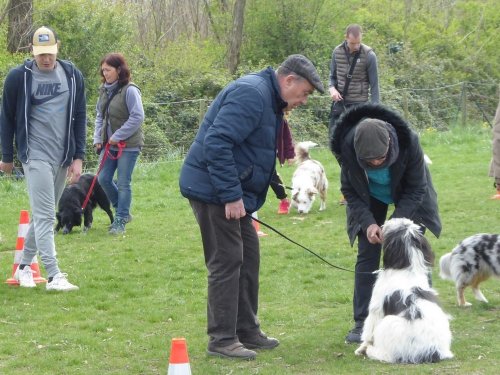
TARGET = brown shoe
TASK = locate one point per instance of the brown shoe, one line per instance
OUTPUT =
(235, 350)
(259, 341)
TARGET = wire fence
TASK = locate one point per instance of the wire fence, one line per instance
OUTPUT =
(170, 127)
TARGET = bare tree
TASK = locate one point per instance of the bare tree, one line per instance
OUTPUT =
(161, 21)
(236, 36)
(20, 14)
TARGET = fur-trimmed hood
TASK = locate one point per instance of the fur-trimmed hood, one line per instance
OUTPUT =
(411, 186)
(354, 115)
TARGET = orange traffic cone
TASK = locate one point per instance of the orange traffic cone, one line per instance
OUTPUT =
(496, 196)
(179, 360)
(24, 220)
(256, 225)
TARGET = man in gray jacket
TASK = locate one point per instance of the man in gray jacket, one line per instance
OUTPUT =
(363, 85)
(44, 109)
(225, 176)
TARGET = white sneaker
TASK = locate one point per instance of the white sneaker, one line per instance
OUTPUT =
(61, 283)
(25, 277)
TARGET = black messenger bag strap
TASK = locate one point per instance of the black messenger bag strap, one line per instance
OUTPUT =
(351, 70)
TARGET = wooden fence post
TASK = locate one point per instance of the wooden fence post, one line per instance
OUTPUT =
(405, 104)
(201, 111)
(464, 104)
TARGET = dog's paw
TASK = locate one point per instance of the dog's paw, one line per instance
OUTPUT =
(361, 350)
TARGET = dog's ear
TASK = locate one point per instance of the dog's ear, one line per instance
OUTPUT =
(312, 192)
(396, 255)
(422, 243)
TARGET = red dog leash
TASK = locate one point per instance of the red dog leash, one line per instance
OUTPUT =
(107, 153)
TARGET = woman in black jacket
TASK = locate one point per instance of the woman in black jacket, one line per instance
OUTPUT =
(382, 164)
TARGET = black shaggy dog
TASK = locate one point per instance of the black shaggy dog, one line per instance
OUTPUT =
(70, 211)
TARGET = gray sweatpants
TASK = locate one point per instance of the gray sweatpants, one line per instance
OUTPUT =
(45, 184)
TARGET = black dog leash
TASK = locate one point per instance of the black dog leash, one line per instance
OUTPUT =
(286, 187)
(305, 248)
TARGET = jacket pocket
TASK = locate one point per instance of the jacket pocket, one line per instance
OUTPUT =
(253, 179)
(246, 174)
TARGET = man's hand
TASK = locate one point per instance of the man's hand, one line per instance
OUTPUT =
(6, 167)
(374, 234)
(75, 171)
(235, 210)
(334, 94)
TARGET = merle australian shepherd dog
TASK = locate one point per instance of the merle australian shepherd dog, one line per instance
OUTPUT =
(471, 262)
(405, 323)
(308, 180)
(70, 211)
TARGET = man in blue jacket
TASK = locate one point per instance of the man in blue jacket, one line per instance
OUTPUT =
(44, 110)
(225, 176)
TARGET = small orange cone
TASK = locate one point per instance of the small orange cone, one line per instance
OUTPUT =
(24, 221)
(179, 360)
(496, 196)
(256, 225)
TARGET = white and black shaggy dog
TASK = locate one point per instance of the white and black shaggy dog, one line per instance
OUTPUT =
(405, 323)
(471, 262)
(308, 180)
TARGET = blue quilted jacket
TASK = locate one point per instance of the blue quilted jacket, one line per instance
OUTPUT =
(233, 155)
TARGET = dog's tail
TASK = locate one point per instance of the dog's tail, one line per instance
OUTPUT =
(444, 266)
(302, 151)
(427, 159)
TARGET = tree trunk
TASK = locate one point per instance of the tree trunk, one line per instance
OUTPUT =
(223, 5)
(236, 35)
(20, 13)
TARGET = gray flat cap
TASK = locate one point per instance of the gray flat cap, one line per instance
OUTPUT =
(303, 67)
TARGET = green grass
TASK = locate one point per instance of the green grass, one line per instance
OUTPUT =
(139, 291)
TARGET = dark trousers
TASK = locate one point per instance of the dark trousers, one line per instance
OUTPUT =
(368, 260)
(277, 186)
(336, 110)
(232, 257)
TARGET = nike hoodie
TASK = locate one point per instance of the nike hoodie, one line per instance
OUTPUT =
(16, 107)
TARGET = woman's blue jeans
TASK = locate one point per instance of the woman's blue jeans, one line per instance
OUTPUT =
(119, 192)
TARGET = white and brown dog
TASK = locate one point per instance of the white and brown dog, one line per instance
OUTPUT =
(405, 323)
(471, 262)
(308, 180)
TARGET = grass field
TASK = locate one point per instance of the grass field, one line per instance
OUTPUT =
(140, 290)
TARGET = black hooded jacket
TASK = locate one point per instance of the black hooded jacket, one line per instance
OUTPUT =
(411, 184)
